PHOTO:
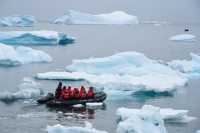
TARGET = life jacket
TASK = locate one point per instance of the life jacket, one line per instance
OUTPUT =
(71, 93)
(76, 93)
(83, 93)
(65, 94)
(90, 93)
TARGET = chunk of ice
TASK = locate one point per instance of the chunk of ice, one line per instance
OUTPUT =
(141, 121)
(13, 56)
(35, 38)
(187, 66)
(28, 89)
(75, 129)
(117, 17)
(183, 37)
(18, 21)
(130, 71)
(167, 114)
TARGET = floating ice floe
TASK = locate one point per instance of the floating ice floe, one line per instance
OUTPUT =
(128, 71)
(117, 17)
(75, 129)
(78, 106)
(183, 37)
(13, 56)
(167, 114)
(27, 90)
(141, 121)
(18, 21)
(187, 66)
(94, 105)
(35, 38)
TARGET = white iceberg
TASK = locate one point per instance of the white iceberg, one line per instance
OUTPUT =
(116, 17)
(183, 37)
(130, 71)
(12, 56)
(40, 37)
(18, 21)
(28, 89)
(198, 131)
(187, 66)
(167, 114)
(75, 129)
(143, 121)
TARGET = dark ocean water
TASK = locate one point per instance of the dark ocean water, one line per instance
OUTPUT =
(100, 41)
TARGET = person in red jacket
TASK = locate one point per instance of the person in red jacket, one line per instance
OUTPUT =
(71, 94)
(76, 93)
(65, 93)
(90, 93)
(83, 93)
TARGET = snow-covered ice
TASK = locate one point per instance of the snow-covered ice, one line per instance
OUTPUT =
(141, 121)
(28, 89)
(75, 129)
(40, 37)
(116, 17)
(167, 114)
(18, 21)
(183, 37)
(187, 66)
(130, 71)
(13, 56)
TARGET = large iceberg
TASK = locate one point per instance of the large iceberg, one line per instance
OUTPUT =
(169, 115)
(116, 17)
(40, 37)
(13, 56)
(28, 89)
(18, 21)
(183, 37)
(75, 129)
(130, 71)
(143, 121)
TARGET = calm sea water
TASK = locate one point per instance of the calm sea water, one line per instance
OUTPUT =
(100, 41)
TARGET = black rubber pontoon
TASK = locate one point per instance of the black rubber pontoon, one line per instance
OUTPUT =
(49, 100)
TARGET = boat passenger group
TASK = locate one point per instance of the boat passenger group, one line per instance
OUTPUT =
(64, 93)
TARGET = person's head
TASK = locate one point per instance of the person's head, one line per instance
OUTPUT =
(60, 84)
(64, 88)
(69, 87)
(91, 88)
